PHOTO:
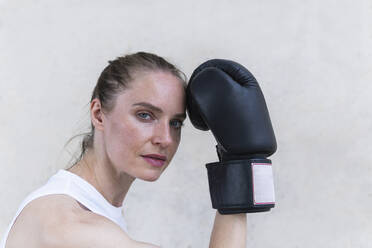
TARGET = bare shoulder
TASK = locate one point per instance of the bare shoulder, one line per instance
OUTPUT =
(28, 227)
(60, 221)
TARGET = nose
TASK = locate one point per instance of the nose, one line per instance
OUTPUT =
(162, 135)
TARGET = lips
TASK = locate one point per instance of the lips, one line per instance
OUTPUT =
(155, 156)
(155, 159)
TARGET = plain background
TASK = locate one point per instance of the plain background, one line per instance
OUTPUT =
(312, 59)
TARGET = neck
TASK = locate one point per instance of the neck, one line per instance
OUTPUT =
(112, 184)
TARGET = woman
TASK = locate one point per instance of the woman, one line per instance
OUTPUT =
(137, 109)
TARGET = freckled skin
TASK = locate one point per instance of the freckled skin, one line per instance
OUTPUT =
(127, 136)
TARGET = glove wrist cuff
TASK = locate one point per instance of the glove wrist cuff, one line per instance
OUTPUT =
(241, 186)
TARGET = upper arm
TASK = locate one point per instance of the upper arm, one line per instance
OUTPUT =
(88, 230)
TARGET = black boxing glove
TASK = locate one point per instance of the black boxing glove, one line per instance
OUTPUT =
(224, 97)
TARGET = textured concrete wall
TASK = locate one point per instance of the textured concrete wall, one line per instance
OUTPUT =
(313, 61)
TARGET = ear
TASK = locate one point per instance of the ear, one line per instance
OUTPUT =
(96, 114)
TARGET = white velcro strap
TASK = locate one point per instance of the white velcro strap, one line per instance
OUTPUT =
(263, 184)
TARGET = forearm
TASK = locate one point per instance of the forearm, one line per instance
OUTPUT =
(229, 231)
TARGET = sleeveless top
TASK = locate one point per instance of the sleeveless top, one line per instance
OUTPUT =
(68, 183)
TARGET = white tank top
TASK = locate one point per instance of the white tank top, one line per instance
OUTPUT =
(68, 183)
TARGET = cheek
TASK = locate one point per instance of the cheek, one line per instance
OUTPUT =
(176, 140)
(125, 140)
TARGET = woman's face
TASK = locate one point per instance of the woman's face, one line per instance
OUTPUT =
(142, 132)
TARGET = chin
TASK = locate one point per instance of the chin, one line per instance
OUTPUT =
(150, 177)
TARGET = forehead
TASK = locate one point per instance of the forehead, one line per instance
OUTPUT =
(161, 89)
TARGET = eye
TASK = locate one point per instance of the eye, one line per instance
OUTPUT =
(176, 124)
(144, 115)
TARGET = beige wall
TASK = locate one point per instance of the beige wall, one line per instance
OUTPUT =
(313, 61)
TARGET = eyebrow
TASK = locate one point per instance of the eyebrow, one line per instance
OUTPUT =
(157, 109)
